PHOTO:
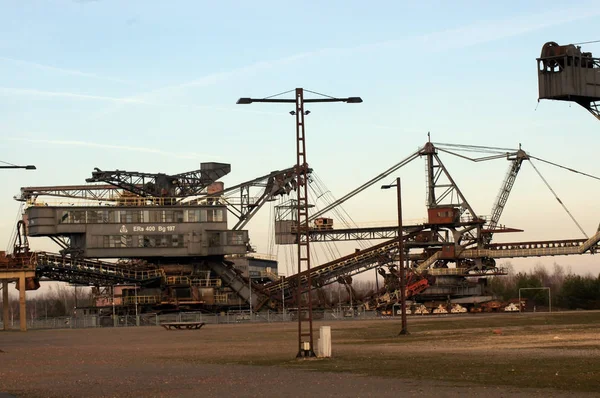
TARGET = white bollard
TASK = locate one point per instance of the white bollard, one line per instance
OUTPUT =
(324, 342)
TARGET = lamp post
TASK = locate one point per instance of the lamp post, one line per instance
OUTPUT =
(305, 335)
(400, 255)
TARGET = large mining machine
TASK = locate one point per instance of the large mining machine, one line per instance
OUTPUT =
(163, 238)
(453, 245)
(566, 73)
(177, 252)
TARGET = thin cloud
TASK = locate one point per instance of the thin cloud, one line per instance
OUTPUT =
(188, 155)
(489, 31)
(478, 33)
(216, 78)
(63, 94)
(65, 71)
(117, 100)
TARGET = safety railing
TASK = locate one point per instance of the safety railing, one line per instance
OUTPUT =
(446, 271)
(221, 298)
(199, 282)
(132, 300)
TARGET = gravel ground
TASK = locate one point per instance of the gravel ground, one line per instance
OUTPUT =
(153, 362)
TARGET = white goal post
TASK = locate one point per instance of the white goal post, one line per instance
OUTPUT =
(537, 288)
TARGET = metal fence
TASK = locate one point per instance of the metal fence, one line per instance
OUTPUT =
(233, 317)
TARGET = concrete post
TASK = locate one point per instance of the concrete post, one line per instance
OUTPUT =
(325, 342)
(5, 303)
(22, 306)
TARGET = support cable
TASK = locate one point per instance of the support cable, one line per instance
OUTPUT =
(330, 247)
(558, 199)
(10, 164)
(474, 148)
(322, 95)
(277, 95)
(366, 184)
(340, 212)
(482, 159)
(565, 167)
(271, 231)
(13, 235)
(587, 42)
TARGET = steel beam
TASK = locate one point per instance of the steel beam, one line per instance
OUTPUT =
(5, 303)
(235, 281)
(22, 303)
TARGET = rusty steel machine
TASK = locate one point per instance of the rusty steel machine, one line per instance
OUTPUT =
(168, 238)
(451, 253)
(165, 236)
(178, 253)
(566, 73)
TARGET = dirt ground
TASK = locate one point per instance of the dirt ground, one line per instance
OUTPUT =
(494, 355)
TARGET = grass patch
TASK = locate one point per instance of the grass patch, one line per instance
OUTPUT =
(442, 349)
(572, 374)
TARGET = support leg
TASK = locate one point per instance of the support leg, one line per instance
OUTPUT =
(22, 307)
(5, 304)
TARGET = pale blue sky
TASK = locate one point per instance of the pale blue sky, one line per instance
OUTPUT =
(151, 86)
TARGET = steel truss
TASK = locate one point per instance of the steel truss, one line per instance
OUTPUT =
(162, 185)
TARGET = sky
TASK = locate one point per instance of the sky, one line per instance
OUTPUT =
(151, 86)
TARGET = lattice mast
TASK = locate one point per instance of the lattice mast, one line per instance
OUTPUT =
(507, 185)
(305, 329)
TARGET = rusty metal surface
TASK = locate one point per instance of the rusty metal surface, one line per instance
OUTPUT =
(566, 73)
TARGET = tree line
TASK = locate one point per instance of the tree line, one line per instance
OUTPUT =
(568, 290)
(60, 300)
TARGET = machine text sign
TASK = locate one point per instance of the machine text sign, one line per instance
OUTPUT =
(147, 228)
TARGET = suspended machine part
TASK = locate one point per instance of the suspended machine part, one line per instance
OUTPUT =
(566, 73)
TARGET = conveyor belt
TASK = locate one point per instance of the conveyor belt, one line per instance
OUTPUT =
(85, 271)
(535, 249)
(325, 274)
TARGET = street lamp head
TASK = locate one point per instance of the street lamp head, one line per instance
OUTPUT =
(30, 167)
(387, 186)
(244, 101)
(354, 100)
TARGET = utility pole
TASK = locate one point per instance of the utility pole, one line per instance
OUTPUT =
(250, 288)
(137, 319)
(400, 255)
(283, 296)
(305, 332)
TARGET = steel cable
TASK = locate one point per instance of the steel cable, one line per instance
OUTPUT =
(558, 199)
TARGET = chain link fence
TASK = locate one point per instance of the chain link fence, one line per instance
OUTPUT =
(231, 317)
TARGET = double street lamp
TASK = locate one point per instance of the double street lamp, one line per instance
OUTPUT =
(305, 337)
(12, 166)
(400, 255)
